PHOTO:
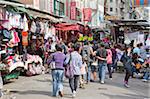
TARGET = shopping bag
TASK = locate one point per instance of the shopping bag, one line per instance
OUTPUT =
(52, 65)
(69, 72)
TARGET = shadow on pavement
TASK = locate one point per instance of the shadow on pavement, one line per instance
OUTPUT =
(33, 92)
(126, 96)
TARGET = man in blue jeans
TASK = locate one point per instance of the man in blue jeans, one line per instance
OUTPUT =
(101, 55)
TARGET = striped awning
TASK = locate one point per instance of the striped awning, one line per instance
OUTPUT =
(140, 2)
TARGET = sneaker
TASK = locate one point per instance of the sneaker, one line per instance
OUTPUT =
(60, 94)
(74, 94)
(1, 94)
(126, 85)
(110, 78)
(144, 80)
(91, 80)
(102, 82)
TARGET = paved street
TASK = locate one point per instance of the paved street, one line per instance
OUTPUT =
(39, 87)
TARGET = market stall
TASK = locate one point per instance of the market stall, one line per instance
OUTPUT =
(22, 34)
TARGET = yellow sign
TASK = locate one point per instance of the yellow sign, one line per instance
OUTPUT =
(111, 17)
(84, 38)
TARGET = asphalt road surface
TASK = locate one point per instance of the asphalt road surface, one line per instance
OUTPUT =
(40, 87)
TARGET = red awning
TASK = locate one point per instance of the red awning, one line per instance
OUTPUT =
(67, 27)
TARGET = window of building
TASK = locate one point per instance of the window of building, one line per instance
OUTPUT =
(111, 9)
(111, 0)
(61, 8)
(58, 7)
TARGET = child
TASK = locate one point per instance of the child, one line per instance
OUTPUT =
(83, 74)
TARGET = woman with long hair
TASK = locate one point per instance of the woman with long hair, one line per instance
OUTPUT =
(128, 64)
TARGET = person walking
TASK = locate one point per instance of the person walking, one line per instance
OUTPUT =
(75, 61)
(109, 61)
(126, 59)
(114, 57)
(57, 71)
(101, 55)
(87, 52)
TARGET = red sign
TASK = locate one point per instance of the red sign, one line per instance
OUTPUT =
(73, 10)
(87, 14)
(67, 5)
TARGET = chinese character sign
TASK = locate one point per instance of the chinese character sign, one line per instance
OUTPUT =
(73, 10)
(87, 14)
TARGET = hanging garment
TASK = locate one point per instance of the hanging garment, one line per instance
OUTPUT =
(33, 27)
(42, 27)
(127, 40)
(25, 24)
(6, 25)
(6, 33)
(24, 38)
(14, 20)
(15, 39)
(38, 27)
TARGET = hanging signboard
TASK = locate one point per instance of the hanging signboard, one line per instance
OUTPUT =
(87, 14)
(73, 10)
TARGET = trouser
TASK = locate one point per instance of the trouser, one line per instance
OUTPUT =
(146, 75)
(89, 72)
(127, 76)
(57, 76)
(114, 64)
(1, 85)
(109, 70)
(102, 71)
(73, 82)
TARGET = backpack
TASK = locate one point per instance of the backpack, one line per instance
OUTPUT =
(123, 58)
(86, 53)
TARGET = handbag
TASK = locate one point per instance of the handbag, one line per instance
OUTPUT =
(95, 63)
(69, 70)
(52, 64)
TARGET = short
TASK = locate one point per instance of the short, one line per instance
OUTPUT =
(93, 68)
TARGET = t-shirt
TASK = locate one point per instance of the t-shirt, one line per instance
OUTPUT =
(136, 50)
(103, 54)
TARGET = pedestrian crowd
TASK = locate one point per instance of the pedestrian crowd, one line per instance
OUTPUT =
(84, 62)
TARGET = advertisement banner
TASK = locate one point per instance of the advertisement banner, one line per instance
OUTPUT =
(73, 10)
(87, 14)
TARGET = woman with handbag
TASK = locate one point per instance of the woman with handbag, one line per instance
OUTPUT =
(75, 62)
(56, 63)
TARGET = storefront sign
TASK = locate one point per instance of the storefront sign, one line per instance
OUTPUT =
(73, 10)
(87, 14)
(111, 17)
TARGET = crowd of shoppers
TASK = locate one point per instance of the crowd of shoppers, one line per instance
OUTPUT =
(87, 60)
